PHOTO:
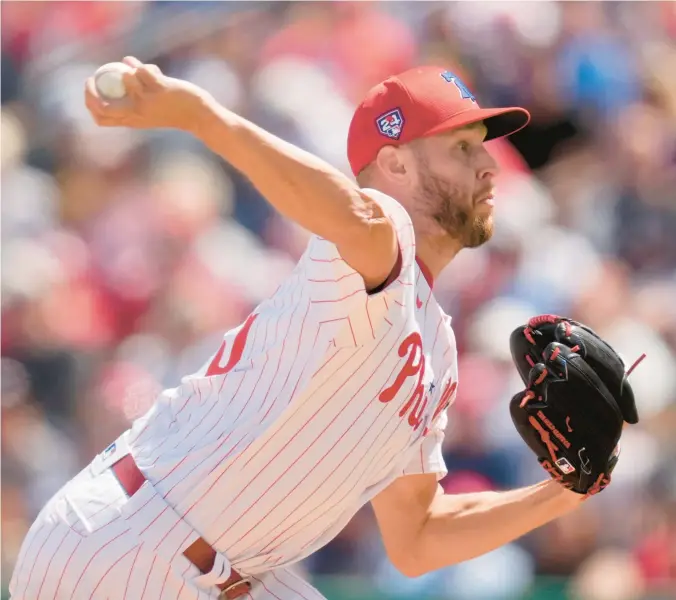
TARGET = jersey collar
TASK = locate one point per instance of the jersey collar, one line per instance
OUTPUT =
(427, 274)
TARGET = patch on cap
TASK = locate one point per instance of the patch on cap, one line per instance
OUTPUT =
(391, 124)
(464, 90)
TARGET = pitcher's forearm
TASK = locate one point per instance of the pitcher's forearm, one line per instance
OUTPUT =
(461, 527)
(301, 186)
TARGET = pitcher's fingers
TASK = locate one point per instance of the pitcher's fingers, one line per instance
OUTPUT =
(132, 61)
(132, 83)
(99, 107)
(150, 76)
(93, 101)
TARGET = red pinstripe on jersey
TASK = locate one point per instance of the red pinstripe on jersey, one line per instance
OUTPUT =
(110, 568)
(145, 585)
(94, 555)
(57, 547)
(37, 557)
(131, 570)
(65, 569)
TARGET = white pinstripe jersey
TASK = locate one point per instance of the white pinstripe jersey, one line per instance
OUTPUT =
(322, 398)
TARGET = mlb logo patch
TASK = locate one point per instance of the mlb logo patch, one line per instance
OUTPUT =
(564, 466)
(391, 124)
(109, 450)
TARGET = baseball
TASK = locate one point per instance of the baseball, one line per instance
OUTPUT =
(108, 80)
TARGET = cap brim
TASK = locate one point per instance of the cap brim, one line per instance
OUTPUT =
(499, 121)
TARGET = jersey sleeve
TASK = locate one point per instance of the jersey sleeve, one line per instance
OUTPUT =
(429, 457)
(338, 291)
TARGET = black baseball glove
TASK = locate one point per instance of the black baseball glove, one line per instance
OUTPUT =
(577, 398)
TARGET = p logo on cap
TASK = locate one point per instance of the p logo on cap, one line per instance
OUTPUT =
(465, 94)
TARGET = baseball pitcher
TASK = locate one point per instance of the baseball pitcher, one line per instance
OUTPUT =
(333, 392)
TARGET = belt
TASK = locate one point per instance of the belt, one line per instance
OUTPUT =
(199, 553)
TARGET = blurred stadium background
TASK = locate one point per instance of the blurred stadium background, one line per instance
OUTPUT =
(126, 254)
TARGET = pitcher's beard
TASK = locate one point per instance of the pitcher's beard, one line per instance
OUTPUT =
(480, 232)
(447, 204)
(471, 230)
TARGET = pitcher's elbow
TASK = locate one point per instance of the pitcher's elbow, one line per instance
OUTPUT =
(414, 565)
(409, 565)
(412, 571)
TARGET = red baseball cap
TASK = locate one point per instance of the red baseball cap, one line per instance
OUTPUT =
(417, 103)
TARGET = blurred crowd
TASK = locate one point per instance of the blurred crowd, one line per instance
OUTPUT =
(126, 254)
